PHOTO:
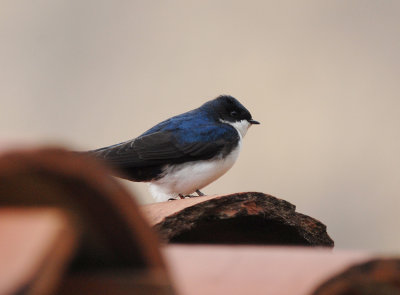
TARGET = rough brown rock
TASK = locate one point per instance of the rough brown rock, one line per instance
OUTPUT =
(241, 218)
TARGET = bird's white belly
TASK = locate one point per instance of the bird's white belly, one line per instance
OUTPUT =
(186, 178)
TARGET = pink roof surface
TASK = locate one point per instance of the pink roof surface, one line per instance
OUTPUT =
(252, 270)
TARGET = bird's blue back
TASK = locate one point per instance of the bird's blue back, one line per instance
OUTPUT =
(194, 126)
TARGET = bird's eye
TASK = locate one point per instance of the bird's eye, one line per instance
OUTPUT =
(234, 113)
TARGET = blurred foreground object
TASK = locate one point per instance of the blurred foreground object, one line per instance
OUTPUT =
(116, 251)
(241, 218)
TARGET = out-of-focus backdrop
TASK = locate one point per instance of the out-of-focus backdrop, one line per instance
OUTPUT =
(323, 77)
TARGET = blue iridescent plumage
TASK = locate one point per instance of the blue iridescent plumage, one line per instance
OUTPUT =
(194, 126)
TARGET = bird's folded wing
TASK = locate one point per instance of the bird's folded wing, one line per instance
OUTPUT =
(159, 148)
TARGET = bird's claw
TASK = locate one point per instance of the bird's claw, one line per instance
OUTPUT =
(181, 196)
(199, 193)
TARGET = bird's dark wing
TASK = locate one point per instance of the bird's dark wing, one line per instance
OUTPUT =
(166, 147)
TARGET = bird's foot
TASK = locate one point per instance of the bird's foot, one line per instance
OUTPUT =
(180, 196)
(191, 196)
(199, 193)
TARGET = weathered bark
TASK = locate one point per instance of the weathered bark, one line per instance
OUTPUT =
(241, 218)
(375, 277)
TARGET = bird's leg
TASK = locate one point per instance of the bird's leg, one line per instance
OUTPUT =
(190, 196)
(200, 194)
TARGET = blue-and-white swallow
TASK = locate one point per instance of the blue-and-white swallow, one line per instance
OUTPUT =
(185, 153)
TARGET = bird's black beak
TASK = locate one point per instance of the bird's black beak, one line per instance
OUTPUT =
(253, 122)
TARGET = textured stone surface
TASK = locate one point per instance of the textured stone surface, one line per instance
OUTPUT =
(241, 218)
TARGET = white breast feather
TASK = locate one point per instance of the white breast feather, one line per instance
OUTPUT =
(186, 178)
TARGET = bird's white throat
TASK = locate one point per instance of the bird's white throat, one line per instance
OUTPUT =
(241, 126)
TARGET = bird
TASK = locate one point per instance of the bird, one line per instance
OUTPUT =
(185, 153)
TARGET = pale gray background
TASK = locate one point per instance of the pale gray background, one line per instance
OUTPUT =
(321, 76)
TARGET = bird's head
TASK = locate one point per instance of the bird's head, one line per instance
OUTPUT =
(228, 109)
